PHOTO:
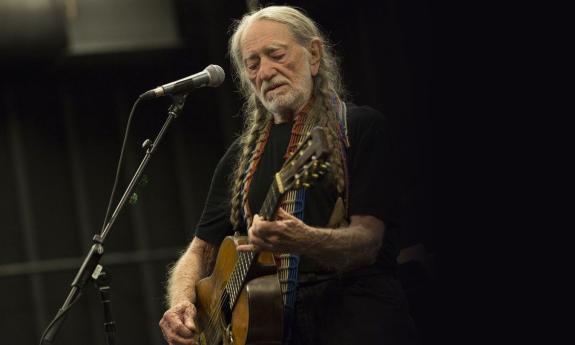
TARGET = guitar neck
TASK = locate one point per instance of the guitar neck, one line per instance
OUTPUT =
(270, 204)
(245, 259)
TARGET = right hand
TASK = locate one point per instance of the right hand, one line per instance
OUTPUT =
(178, 324)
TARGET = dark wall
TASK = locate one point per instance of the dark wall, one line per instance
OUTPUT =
(61, 124)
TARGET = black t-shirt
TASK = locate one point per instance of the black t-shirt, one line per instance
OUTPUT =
(373, 184)
(318, 201)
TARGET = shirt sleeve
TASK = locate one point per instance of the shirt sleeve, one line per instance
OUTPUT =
(214, 222)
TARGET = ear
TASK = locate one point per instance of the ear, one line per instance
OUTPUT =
(316, 52)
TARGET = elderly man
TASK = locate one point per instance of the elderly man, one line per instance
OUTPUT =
(340, 238)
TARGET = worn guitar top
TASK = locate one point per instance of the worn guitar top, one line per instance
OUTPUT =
(374, 184)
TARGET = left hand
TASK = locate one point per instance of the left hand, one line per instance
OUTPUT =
(286, 234)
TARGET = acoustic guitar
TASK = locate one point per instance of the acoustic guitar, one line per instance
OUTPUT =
(241, 301)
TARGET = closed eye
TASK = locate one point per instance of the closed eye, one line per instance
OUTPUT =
(252, 64)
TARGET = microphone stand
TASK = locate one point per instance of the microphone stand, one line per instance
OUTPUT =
(90, 268)
(103, 285)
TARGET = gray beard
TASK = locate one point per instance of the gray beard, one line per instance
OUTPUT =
(283, 103)
(286, 104)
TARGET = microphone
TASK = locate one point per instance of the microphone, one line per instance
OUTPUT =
(212, 76)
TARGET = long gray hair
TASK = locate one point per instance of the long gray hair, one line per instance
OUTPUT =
(327, 84)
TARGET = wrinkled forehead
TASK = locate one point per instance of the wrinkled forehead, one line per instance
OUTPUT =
(262, 33)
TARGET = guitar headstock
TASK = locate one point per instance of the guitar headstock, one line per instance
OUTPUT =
(307, 164)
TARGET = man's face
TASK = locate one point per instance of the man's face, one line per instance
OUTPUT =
(278, 67)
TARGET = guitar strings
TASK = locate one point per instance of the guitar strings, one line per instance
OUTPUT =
(213, 330)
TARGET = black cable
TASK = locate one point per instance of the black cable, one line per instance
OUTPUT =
(118, 168)
(61, 313)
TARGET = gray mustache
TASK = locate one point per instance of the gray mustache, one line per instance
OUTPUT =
(266, 85)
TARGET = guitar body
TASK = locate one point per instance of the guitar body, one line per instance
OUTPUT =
(257, 316)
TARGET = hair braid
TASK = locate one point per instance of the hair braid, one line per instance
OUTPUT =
(251, 135)
(331, 122)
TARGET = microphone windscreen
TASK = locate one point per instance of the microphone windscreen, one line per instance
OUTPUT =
(217, 75)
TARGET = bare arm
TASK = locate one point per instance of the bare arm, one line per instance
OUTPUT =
(178, 322)
(340, 249)
(349, 247)
(195, 264)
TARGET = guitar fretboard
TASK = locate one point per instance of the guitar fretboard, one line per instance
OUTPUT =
(245, 259)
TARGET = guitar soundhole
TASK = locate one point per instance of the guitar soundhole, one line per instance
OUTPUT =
(226, 311)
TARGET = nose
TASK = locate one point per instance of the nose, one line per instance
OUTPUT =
(267, 69)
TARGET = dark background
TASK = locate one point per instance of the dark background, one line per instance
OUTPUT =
(70, 71)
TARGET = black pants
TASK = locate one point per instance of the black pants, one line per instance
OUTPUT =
(368, 309)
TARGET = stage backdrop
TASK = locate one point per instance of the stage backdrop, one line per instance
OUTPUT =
(66, 88)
